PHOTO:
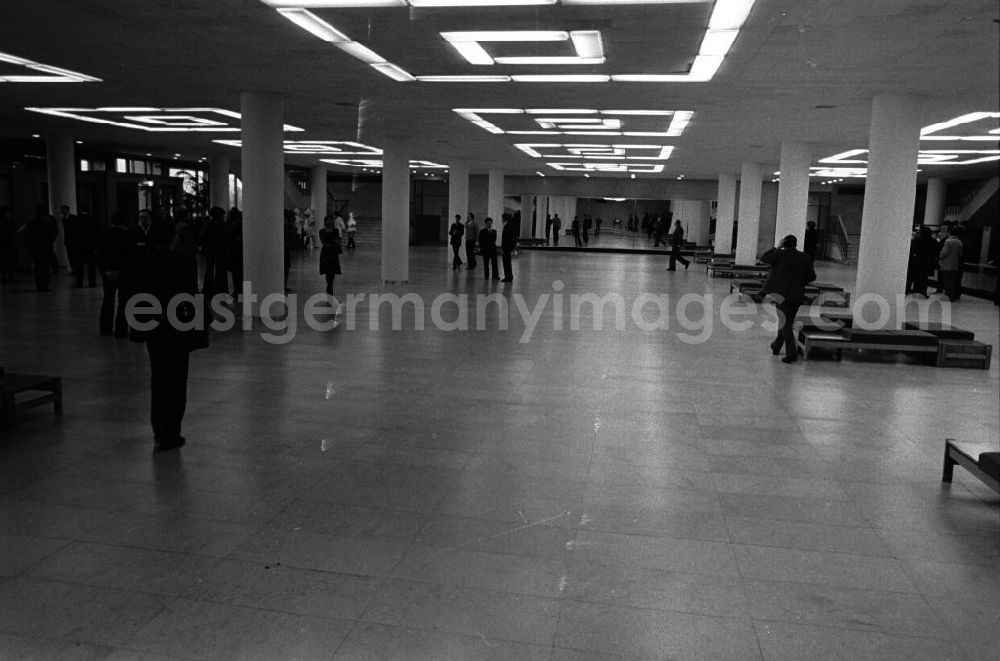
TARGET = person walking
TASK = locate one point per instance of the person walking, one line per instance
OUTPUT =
(471, 234)
(164, 273)
(40, 232)
(352, 229)
(488, 249)
(115, 249)
(213, 246)
(950, 260)
(329, 254)
(455, 233)
(676, 241)
(508, 241)
(574, 229)
(791, 270)
(811, 240)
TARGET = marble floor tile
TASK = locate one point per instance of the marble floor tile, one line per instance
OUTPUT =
(582, 496)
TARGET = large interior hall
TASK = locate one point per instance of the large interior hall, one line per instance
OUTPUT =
(597, 456)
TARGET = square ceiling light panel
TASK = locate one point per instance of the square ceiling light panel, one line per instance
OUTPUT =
(157, 120)
(14, 69)
(616, 152)
(465, 41)
(579, 121)
(591, 167)
(377, 163)
(980, 127)
(319, 147)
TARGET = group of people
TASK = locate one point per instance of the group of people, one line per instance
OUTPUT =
(943, 254)
(485, 242)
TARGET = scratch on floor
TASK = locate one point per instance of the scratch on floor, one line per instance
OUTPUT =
(511, 530)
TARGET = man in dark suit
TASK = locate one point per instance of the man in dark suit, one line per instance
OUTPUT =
(114, 254)
(488, 249)
(41, 231)
(165, 273)
(791, 271)
(508, 241)
(676, 241)
(80, 237)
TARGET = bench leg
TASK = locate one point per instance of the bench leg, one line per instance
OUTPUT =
(57, 391)
(949, 465)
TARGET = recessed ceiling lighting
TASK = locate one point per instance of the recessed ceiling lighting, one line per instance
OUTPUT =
(79, 142)
(55, 74)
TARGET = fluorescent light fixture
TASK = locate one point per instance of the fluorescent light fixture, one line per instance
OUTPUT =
(333, 4)
(471, 51)
(638, 112)
(588, 44)
(532, 132)
(563, 78)
(704, 67)
(393, 71)
(730, 14)
(56, 74)
(846, 157)
(630, 2)
(540, 174)
(679, 122)
(313, 24)
(562, 111)
(614, 199)
(478, 3)
(651, 78)
(612, 133)
(929, 132)
(507, 35)
(360, 51)
(463, 79)
(157, 120)
(952, 156)
(127, 109)
(549, 60)
(717, 42)
(493, 111)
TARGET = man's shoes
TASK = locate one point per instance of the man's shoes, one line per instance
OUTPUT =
(164, 446)
(788, 360)
(775, 347)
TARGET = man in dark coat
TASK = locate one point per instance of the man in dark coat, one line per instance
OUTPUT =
(455, 234)
(80, 236)
(40, 232)
(488, 249)
(164, 273)
(508, 241)
(676, 241)
(114, 255)
(213, 244)
(791, 271)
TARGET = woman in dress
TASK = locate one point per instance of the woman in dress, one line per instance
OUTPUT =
(329, 254)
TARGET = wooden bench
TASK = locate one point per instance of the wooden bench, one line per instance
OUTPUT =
(986, 467)
(846, 339)
(25, 391)
(964, 353)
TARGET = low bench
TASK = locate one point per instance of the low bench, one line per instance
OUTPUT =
(985, 467)
(899, 341)
(25, 391)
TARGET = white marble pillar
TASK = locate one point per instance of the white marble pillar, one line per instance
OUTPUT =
(887, 214)
(319, 202)
(494, 200)
(262, 133)
(725, 214)
(61, 166)
(218, 181)
(793, 191)
(458, 202)
(395, 211)
(749, 223)
(527, 216)
(937, 191)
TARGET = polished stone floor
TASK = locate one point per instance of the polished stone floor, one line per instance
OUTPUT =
(435, 494)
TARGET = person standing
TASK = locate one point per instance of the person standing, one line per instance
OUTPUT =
(80, 236)
(213, 244)
(352, 229)
(115, 249)
(508, 241)
(234, 249)
(811, 240)
(165, 273)
(548, 227)
(455, 233)
(924, 251)
(950, 260)
(556, 229)
(790, 272)
(40, 232)
(8, 247)
(471, 234)
(597, 227)
(329, 254)
(587, 223)
(574, 229)
(488, 249)
(676, 241)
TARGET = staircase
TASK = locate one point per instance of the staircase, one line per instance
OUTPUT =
(369, 233)
(853, 242)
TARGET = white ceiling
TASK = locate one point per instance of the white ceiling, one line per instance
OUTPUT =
(799, 70)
